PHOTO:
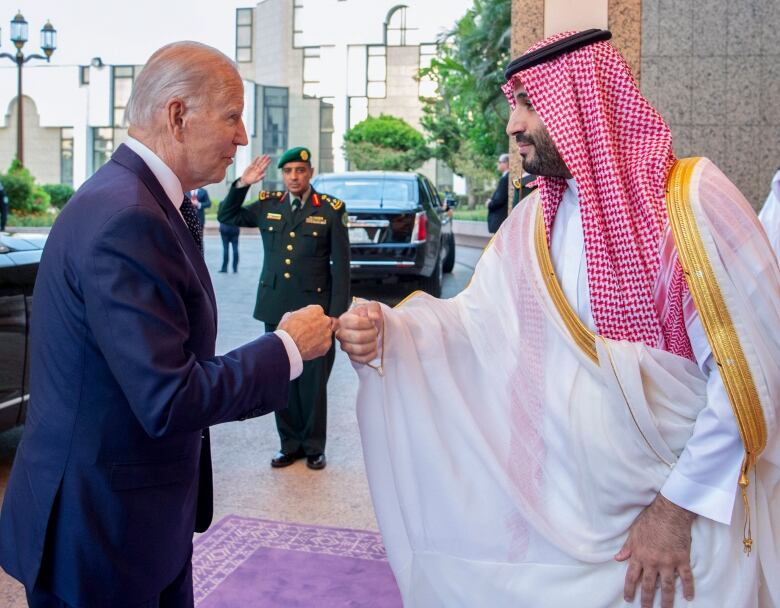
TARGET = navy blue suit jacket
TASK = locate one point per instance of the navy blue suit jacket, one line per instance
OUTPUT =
(113, 467)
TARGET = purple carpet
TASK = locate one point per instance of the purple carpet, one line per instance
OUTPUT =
(243, 561)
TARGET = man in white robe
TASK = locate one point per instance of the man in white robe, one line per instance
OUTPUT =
(560, 433)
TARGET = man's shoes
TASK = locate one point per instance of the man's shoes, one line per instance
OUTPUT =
(281, 459)
(223, 270)
(316, 462)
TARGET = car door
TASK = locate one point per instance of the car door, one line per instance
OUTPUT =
(432, 209)
(13, 341)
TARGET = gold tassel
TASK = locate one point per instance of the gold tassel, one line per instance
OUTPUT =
(744, 482)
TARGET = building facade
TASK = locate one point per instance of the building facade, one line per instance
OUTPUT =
(321, 67)
(311, 70)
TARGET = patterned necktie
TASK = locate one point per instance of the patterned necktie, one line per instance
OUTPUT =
(191, 219)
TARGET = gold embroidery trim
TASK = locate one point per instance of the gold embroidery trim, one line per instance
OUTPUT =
(718, 326)
(584, 338)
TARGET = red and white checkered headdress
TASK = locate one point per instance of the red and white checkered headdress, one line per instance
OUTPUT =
(619, 150)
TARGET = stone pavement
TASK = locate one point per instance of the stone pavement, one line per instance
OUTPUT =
(244, 483)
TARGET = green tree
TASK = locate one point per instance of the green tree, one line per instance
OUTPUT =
(467, 118)
(386, 143)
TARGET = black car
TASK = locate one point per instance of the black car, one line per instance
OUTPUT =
(20, 255)
(399, 227)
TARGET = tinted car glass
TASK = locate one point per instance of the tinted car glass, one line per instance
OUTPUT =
(371, 192)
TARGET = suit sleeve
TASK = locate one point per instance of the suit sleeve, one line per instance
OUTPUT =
(138, 308)
(501, 195)
(339, 269)
(232, 212)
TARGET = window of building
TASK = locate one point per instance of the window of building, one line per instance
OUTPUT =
(312, 71)
(83, 74)
(376, 72)
(244, 22)
(275, 128)
(356, 71)
(358, 110)
(122, 76)
(427, 85)
(326, 134)
(66, 156)
(297, 21)
(102, 146)
(397, 29)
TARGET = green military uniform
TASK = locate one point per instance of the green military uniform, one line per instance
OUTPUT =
(306, 261)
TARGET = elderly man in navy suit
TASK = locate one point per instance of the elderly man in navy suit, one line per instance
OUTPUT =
(113, 473)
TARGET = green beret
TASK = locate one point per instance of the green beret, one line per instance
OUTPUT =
(295, 155)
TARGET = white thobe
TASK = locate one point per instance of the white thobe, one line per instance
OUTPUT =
(704, 479)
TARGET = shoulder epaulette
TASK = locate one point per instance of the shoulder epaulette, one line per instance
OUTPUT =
(334, 202)
(264, 194)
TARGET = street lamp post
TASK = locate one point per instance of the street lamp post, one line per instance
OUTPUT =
(19, 38)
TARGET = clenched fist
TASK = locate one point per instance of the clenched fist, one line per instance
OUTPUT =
(311, 330)
(358, 332)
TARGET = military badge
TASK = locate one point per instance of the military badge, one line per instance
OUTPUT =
(304, 155)
(336, 204)
(316, 219)
(273, 216)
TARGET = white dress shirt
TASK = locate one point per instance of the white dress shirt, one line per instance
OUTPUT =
(704, 479)
(172, 187)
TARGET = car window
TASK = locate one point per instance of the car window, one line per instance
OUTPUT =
(370, 192)
(437, 199)
(425, 193)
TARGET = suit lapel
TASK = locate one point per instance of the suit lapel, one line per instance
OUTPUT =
(130, 160)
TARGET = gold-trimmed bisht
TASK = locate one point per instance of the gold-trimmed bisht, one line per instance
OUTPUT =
(718, 326)
(584, 338)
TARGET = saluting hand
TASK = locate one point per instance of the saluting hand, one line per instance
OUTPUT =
(358, 331)
(255, 171)
(311, 330)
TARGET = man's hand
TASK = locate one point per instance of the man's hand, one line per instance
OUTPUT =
(358, 332)
(659, 545)
(311, 330)
(255, 171)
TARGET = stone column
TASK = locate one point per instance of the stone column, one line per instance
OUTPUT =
(527, 28)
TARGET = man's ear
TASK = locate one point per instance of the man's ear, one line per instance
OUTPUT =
(174, 114)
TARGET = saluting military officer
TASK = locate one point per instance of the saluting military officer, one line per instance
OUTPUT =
(306, 261)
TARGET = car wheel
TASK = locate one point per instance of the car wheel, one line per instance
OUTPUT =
(432, 284)
(449, 259)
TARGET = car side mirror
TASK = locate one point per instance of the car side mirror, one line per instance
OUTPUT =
(450, 201)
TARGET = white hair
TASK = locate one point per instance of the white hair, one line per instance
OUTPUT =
(183, 70)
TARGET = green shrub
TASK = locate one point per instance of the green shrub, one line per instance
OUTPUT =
(59, 193)
(35, 221)
(41, 201)
(19, 185)
(386, 143)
